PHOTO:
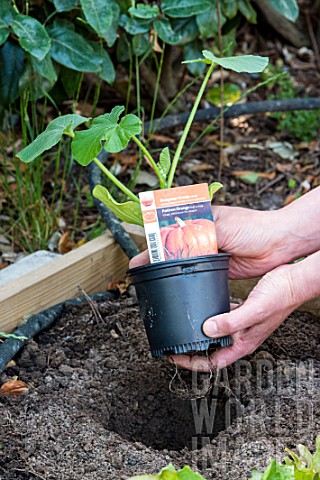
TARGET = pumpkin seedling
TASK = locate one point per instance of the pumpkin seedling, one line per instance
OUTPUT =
(178, 295)
(113, 133)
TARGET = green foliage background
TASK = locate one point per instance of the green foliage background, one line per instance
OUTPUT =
(46, 41)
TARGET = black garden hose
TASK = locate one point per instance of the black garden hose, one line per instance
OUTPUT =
(208, 114)
(44, 319)
(36, 323)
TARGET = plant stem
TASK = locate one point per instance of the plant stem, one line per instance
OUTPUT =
(155, 95)
(188, 125)
(150, 160)
(117, 182)
(138, 86)
(221, 156)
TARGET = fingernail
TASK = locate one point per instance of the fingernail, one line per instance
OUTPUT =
(210, 328)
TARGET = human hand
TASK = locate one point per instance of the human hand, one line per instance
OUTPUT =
(247, 234)
(267, 306)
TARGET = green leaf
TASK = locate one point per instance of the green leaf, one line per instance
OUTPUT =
(65, 5)
(278, 472)
(6, 15)
(187, 474)
(169, 473)
(33, 37)
(166, 33)
(45, 68)
(4, 32)
(35, 83)
(51, 136)
(250, 178)
(145, 12)
(315, 463)
(184, 8)
(70, 80)
(305, 455)
(145, 477)
(129, 212)
(242, 63)
(164, 163)
(140, 43)
(7, 12)
(72, 50)
(11, 68)
(213, 188)
(230, 8)
(231, 93)
(192, 50)
(187, 28)
(123, 48)
(112, 32)
(256, 475)
(136, 26)
(208, 23)
(87, 143)
(98, 14)
(248, 11)
(288, 8)
(107, 72)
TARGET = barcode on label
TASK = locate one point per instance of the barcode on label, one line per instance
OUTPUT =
(154, 247)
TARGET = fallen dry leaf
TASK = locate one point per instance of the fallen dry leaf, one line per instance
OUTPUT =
(120, 285)
(241, 173)
(65, 244)
(289, 199)
(202, 167)
(13, 388)
(124, 159)
(12, 363)
(161, 138)
(283, 167)
(81, 242)
(153, 38)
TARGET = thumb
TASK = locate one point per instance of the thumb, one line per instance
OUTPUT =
(232, 322)
(140, 259)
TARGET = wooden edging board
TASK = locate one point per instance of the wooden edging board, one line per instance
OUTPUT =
(90, 267)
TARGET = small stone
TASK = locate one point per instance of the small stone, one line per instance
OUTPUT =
(66, 370)
(114, 334)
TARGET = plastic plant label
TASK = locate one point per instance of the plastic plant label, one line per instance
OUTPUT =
(178, 223)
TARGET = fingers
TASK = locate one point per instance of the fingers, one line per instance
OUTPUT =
(195, 363)
(244, 343)
(139, 260)
(229, 323)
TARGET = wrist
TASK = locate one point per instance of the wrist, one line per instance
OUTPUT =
(299, 226)
(306, 279)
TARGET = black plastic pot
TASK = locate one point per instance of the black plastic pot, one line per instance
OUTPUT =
(176, 297)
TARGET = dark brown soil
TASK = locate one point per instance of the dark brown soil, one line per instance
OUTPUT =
(100, 407)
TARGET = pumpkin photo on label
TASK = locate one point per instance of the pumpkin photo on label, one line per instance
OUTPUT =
(190, 238)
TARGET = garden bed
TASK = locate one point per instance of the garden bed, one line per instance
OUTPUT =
(99, 406)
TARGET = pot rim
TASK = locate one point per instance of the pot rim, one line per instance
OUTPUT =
(174, 263)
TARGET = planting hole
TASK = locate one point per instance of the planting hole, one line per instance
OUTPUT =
(144, 410)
